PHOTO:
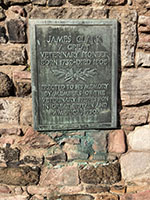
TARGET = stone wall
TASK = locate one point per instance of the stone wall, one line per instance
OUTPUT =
(75, 165)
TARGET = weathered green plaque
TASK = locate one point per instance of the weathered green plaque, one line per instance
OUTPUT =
(74, 74)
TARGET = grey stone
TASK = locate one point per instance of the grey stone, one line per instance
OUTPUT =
(56, 158)
(135, 166)
(2, 13)
(99, 140)
(3, 37)
(6, 85)
(56, 2)
(75, 152)
(80, 2)
(9, 111)
(12, 2)
(135, 86)
(16, 31)
(12, 54)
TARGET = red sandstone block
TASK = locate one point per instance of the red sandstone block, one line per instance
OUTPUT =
(66, 175)
(116, 142)
(138, 196)
(21, 75)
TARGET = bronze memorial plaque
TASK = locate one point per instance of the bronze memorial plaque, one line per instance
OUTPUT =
(74, 74)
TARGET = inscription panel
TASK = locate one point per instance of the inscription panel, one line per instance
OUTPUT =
(74, 74)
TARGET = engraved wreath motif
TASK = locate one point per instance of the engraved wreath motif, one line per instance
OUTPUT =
(71, 75)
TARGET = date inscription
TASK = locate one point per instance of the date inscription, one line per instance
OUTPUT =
(74, 68)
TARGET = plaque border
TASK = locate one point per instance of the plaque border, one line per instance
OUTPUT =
(34, 71)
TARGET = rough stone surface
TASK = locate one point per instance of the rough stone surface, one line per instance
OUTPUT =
(74, 152)
(12, 2)
(135, 166)
(21, 76)
(14, 197)
(56, 2)
(18, 10)
(22, 89)
(11, 156)
(106, 196)
(26, 113)
(139, 139)
(9, 111)
(118, 189)
(134, 188)
(3, 37)
(6, 140)
(143, 29)
(115, 2)
(97, 188)
(99, 140)
(33, 160)
(72, 13)
(54, 190)
(34, 189)
(67, 175)
(56, 158)
(135, 86)
(116, 142)
(6, 85)
(144, 45)
(19, 176)
(80, 2)
(134, 115)
(74, 197)
(16, 31)
(36, 140)
(143, 59)
(37, 197)
(128, 37)
(71, 189)
(104, 174)
(12, 54)
(4, 189)
(39, 2)
(144, 37)
(138, 196)
(144, 20)
(2, 13)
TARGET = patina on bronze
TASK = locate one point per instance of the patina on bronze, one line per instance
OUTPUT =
(74, 74)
